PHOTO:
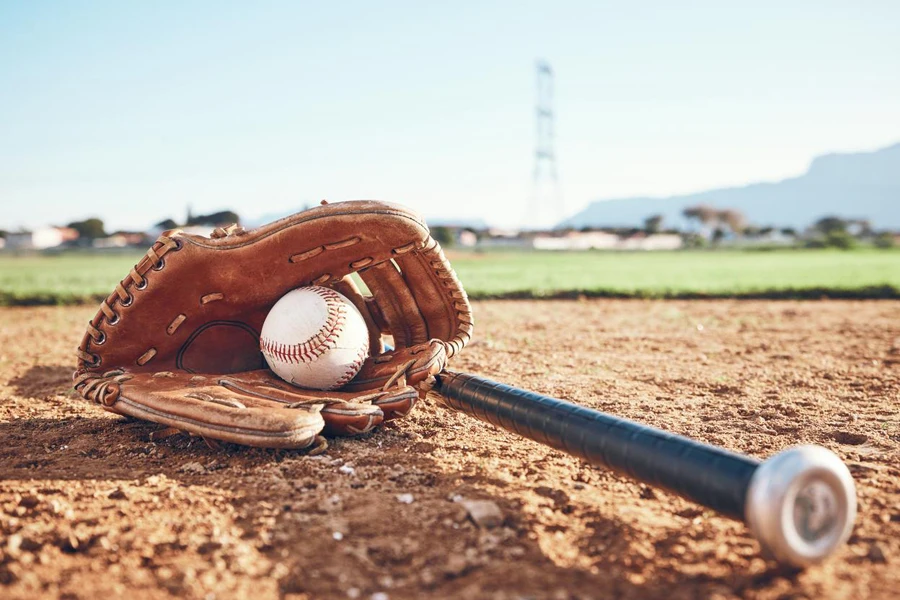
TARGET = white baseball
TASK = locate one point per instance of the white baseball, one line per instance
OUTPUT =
(315, 338)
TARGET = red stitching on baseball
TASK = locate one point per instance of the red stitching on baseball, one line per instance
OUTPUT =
(321, 342)
(353, 369)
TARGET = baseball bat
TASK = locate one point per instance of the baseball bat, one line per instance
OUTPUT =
(799, 504)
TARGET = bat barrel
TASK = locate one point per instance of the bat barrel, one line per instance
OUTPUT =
(800, 504)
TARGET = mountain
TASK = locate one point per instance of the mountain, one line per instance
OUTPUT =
(861, 185)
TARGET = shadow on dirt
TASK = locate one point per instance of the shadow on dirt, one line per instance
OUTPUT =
(427, 547)
(42, 381)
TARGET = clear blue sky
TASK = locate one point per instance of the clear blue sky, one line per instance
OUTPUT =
(133, 110)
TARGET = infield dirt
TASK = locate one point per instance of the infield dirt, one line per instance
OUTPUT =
(89, 507)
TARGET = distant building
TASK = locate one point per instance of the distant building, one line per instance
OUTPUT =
(39, 239)
(467, 238)
(133, 238)
(576, 240)
(770, 238)
(653, 241)
(112, 241)
(121, 239)
(606, 240)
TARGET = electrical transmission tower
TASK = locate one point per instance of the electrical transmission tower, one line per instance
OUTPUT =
(546, 206)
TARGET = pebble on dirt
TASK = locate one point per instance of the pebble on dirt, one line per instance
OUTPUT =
(484, 513)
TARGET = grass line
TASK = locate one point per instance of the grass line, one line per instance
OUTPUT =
(86, 278)
(877, 292)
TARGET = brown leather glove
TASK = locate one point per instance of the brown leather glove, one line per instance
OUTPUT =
(177, 342)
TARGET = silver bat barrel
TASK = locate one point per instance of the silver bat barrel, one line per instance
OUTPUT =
(799, 504)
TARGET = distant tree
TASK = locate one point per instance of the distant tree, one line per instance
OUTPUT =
(2, 234)
(865, 227)
(691, 213)
(218, 218)
(166, 224)
(789, 231)
(834, 233)
(751, 231)
(718, 235)
(693, 240)
(841, 240)
(653, 224)
(831, 224)
(706, 215)
(734, 219)
(884, 239)
(443, 235)
(89, 229)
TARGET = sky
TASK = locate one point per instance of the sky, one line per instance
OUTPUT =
(133, 111)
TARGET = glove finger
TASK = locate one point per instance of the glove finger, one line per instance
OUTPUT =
(405, 366)
(398, 306)
(348, 288)
(449, 315)
(351, 418)
(344, 413)
(202, 406)
(395, 406)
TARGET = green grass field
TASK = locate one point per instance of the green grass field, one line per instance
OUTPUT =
(85, 277)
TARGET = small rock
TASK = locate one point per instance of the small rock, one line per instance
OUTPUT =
(353, 593)
(118, 494)
(456, 565)
(193, 467)
(876, 553)
(484, 513)
(405, 498)
(29, 545)
(208, 546)
(427, 578)
(347, 469)
(29, 501)
(338, 536)
(8, 574)
(13, 544)
(71, 543)
(379, 596)
(424, 447)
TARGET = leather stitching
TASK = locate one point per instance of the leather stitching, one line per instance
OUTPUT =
(137, 280)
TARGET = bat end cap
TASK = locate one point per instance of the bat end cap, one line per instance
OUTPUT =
(801, 505)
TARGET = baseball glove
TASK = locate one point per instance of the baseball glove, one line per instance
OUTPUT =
(177, 341)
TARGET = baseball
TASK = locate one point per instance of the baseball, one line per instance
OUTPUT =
(315, 338)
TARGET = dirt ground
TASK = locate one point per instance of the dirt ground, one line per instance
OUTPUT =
(89, 507)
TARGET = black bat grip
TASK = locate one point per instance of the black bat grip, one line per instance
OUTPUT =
(707, 475)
